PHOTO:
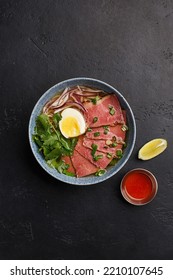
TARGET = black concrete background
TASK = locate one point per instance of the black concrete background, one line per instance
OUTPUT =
(126, 43)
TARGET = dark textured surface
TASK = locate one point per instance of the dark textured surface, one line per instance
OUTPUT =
(128, 44)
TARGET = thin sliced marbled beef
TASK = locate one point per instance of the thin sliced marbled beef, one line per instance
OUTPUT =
(102, 112)
(82, 166)
(118, 133)
(68, 161)
(86, 152)
(101, 146)
(112, 131)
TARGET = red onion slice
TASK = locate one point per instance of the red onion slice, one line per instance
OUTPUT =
(54, 100)
(70, 97)
(69, 104)
(48, 104)
(62, 99)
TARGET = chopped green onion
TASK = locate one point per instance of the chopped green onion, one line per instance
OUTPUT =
(89, 129)
(96, 158)
(95, 119)
(109, 155)
(113, 162)
(119, 153)
(124, 127)
(100, 172)
(114, 144)
(106, 129)
(108, 142)
(95, 99)
(96, 134)
(124, 145)
(94, 149)
(111, 110)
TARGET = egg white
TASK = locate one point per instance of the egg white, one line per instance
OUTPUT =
(79, 118)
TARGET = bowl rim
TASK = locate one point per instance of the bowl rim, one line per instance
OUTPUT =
(154, 185)
(84, 180)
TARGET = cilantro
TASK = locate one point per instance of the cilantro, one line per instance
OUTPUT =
(37, 140)
(55, 153)
(56, 118)
(73, 142)
(63, 167)
(51, 143)
(59, 165)
(69, 173)
(65, 143)
(46, 150)
(43, 126)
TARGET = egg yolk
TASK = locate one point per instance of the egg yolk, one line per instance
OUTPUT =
(70, 127)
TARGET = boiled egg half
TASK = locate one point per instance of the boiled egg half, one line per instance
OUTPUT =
(72, 123)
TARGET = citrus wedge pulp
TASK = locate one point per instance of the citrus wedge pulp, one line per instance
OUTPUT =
(152, 149)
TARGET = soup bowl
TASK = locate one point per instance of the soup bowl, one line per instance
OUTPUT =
(130, 137)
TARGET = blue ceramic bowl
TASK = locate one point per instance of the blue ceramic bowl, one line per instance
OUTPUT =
(130, 140)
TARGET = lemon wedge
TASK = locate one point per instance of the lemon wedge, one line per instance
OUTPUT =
(152, 149)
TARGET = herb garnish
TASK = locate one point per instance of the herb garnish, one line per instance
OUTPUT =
(114, 144)
(109, 155)
(93, 151)
(124, 127)
(111, 110)
(89, 129)
(95, 99)
(119, 153)
(96, 134)
(52, 143)
(61, 166)
(106, 129)
(56, 118)
(96, 158)
(108, 142)
(95, 119)
(124, 145)
(100, 172)
(113, 162)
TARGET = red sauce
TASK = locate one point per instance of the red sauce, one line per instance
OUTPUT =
(138, 185)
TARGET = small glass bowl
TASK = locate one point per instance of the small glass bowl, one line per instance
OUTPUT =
(142, 201)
